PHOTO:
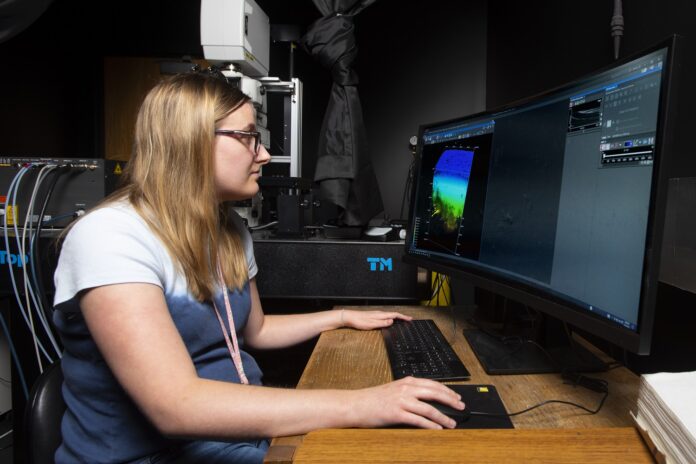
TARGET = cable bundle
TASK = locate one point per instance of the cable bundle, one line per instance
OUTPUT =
(29, 292)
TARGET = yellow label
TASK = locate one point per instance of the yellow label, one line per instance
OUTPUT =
(482, 389)
(117, 170)
(12, 214)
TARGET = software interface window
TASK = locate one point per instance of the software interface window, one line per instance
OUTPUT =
(556, 192)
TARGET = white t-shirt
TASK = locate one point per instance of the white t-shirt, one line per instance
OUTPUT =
(114, 245)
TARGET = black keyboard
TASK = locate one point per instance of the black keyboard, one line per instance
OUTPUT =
(418, 348)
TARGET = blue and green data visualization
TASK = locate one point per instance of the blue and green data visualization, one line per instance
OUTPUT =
(450, 185)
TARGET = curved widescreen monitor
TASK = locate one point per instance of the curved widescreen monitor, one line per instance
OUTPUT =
(557, 201)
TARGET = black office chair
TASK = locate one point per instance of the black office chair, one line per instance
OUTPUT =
(43, 416)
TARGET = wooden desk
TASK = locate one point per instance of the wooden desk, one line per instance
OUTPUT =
(558, 446)
(350, 359)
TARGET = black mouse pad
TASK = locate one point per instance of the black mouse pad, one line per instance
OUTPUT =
(483, 399)
(478, 398)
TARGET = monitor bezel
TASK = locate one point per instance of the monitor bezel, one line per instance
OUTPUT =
(543, 300)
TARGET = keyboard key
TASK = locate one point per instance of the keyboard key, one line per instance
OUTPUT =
(419, 349)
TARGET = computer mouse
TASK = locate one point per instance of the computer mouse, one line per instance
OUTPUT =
(459, 416)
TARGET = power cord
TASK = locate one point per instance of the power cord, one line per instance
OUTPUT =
(572, 378)
(598, 385)
(435, 288)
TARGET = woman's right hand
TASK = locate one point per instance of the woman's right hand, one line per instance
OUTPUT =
(402, 402)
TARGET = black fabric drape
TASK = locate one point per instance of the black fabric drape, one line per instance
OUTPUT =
(343, 169)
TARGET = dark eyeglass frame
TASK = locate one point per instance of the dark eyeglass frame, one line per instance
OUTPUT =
(242, 133)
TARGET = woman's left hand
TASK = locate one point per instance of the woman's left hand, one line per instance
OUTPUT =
(368, 320)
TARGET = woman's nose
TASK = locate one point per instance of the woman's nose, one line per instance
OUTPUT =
(263, 157)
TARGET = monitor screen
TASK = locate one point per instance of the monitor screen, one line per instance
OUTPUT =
(553, 201)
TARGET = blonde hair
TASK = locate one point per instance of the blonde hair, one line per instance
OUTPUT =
(170, 179)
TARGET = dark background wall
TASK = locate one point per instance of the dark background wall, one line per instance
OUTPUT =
(417, 64)
(534, 48)
(48, 87)
(51, 85)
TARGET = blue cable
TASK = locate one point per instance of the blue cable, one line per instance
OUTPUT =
(13, 192)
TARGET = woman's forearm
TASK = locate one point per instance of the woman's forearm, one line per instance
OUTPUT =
(278, 331)
(212, 409)
(218, 410)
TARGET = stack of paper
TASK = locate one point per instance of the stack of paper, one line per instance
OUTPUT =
(667, 411)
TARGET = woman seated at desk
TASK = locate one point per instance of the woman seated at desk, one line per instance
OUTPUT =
(156, 301)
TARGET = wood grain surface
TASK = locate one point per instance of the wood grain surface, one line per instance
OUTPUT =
(600, 445)
(350, 359)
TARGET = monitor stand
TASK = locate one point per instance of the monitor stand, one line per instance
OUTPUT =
(550, 350)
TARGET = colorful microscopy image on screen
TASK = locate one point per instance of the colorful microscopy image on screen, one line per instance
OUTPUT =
(450, 184)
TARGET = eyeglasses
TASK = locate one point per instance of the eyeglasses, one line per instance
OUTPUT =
(241, 134)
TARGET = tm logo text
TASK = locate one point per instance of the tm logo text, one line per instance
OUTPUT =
(384, 264)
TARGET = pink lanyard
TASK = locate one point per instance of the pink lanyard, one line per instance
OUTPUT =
(233, 346)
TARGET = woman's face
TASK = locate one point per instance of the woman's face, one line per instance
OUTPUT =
(237, 167)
